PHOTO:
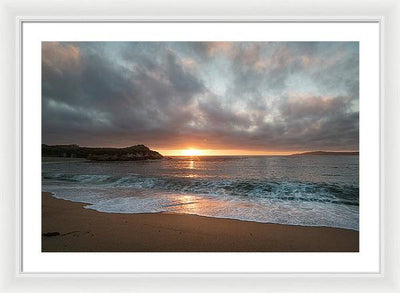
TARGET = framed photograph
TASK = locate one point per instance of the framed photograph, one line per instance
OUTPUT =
(173, 147)
(163, 142)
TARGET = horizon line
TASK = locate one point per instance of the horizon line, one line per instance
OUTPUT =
(179, 152)
(255, 154)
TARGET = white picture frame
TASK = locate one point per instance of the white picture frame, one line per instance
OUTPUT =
(386, 13)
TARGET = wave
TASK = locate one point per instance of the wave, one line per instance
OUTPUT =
(334, 193)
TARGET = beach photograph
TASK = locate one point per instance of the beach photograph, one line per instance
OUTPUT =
(200, 147)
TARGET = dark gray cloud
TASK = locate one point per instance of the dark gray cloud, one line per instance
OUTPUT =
(213, 95)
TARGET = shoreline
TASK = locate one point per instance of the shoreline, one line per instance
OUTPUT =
(197, 215)
(72, 228)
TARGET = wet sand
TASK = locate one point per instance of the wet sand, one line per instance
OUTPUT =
(69, 227)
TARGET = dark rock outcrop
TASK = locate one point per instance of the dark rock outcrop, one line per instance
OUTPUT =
(133, 153)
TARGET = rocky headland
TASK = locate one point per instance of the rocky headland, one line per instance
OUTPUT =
(132, 153)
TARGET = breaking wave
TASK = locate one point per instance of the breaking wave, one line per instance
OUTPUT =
(334, 193)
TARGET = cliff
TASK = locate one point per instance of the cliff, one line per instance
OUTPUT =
(133, 153)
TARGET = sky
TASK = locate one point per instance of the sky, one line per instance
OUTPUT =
(219, 97)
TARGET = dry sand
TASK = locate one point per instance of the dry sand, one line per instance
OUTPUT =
(83, 230)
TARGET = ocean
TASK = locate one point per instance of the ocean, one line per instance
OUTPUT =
(296, 190)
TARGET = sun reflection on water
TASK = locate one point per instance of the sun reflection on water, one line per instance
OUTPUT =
(190, 204)
(191, 164)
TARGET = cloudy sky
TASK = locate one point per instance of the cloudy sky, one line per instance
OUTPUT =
(255, 97)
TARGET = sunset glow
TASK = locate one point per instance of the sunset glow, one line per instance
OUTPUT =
(191, 152)
(209, 152)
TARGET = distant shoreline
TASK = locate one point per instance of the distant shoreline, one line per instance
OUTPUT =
(324, 153)
(68, 227)
(50, 159)
(142, 152)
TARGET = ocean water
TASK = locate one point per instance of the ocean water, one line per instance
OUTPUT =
(296, 190)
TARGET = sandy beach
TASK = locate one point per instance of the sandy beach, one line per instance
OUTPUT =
(69, 227)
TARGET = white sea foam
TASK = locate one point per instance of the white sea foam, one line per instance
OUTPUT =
(298, 191)
(240, 208)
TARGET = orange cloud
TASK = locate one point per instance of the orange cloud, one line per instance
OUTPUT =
(214, 48)
(58, 56)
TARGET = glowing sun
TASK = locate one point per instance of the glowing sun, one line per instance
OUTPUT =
(192, 152)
